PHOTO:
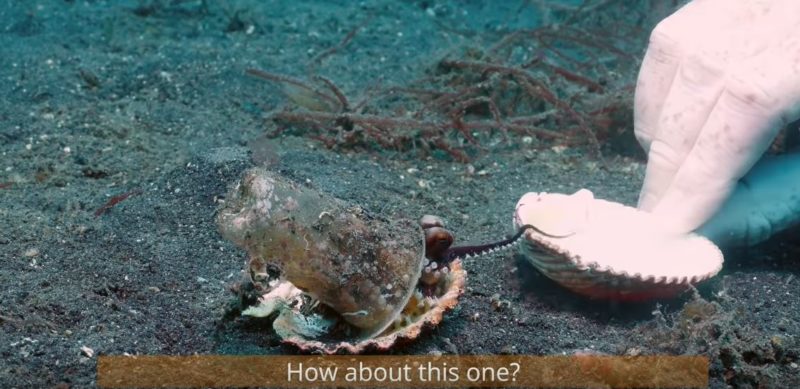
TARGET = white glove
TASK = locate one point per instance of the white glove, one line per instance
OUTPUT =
(719, 80)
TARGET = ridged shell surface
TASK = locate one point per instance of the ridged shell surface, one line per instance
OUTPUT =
(609, 250)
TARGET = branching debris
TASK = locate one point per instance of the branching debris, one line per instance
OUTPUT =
(568, 83)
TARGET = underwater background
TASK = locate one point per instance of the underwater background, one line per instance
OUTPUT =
(123, 124)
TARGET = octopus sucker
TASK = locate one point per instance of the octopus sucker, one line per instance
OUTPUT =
(604, 249)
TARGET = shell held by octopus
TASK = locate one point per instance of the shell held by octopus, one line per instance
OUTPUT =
(604, 249)
(345, 277)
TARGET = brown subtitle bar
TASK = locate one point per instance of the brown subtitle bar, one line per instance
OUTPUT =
(477, 371)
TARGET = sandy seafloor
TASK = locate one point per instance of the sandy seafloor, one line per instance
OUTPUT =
(103, 97)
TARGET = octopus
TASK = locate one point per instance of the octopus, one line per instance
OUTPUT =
(335, 278)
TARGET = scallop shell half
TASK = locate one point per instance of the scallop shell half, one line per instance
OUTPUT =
(421, 313)
(609, 250)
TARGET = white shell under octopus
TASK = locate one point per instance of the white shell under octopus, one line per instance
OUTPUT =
(604, 249)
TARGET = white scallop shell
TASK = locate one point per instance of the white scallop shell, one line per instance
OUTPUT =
(611, 250)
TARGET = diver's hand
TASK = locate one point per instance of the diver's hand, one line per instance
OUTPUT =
(719, 80)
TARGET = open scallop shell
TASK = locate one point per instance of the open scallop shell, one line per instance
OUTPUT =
(609, 250)
(421, 313)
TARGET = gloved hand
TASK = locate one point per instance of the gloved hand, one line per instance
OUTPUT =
(719, 80)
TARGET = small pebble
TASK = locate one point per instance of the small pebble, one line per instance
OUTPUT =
(470, 170)
(86, 351)
(508, 350)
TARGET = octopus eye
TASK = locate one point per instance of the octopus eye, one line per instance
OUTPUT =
(440, 236)
(437, 241)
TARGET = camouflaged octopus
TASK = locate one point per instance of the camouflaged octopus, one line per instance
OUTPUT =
(344, 280)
